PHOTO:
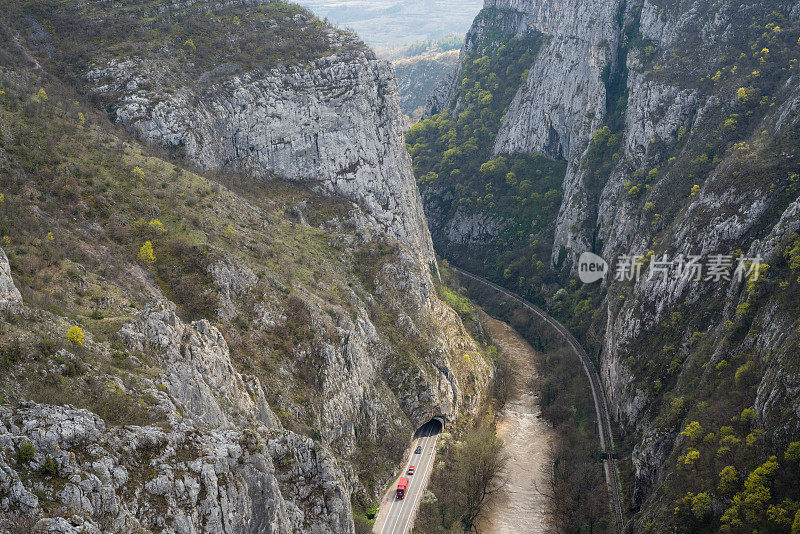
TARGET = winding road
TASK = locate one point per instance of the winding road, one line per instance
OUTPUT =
(600, 403)
(400, 516)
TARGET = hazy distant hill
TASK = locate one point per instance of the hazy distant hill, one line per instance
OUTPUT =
(386, 23)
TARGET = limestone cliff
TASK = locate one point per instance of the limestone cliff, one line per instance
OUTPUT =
(334, 121)
(678, 126)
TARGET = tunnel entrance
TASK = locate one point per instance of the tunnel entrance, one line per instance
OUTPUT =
(431, 428)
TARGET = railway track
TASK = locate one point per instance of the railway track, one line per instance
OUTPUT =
(598, 395)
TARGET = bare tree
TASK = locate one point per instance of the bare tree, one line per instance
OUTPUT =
(482, 459)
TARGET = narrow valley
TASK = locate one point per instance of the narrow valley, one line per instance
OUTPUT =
(364, 267)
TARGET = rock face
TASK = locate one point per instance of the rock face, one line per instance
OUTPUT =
(692, 103)
(9, 294)
(335, 122)
(254, 480)
(265, 372)
(224, 463)
(198, 372)
(418, 76)
(472, 228)
(564, 98)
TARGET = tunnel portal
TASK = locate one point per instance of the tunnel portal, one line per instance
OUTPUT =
(431, 428)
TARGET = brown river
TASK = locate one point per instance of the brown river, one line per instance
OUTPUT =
(519, 507)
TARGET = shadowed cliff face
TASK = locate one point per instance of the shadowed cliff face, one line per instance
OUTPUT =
(678, 124)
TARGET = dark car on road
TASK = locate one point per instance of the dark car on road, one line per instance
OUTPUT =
(418, 450)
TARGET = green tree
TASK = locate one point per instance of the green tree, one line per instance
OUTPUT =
(25, 452)
(693, 431)
(792, 453)
(701, 504)
(728, 480)
(749, 506)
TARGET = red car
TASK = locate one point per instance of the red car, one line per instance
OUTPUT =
(411, 470)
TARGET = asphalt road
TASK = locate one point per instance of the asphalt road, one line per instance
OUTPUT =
(598, 394)
(400, 517)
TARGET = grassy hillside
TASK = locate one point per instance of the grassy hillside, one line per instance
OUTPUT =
(193, 37)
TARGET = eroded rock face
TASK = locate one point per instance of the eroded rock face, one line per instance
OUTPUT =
(198, 373)
(418, 76)
(472, 228)
(337, 325)
(254, 480)
(9, 294)
(335, 122)
(564, 98)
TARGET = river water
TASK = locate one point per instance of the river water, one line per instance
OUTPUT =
(520, 507)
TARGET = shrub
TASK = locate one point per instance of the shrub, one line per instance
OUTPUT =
(793, 453)
(688, 460)
(747, 416)
(701, 504)
(75, 335)
(25, 452)
(746, 95)
(743, 373)
(156, 226)
(146, 253)
(792, 255)
(49, 467)
(10, 354)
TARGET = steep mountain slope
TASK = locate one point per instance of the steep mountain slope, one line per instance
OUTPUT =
(677, 128)
(417, 76)
(222, 352)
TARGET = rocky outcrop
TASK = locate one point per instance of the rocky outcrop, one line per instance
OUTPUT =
(418, 76)
(103, 479)
(198, 373)
(564, 98)
(322, 347)
(10, 296)
(650, 453)
(696, 101)
(334, 122)
(465, 228)
(497, 20)
(232, 280)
